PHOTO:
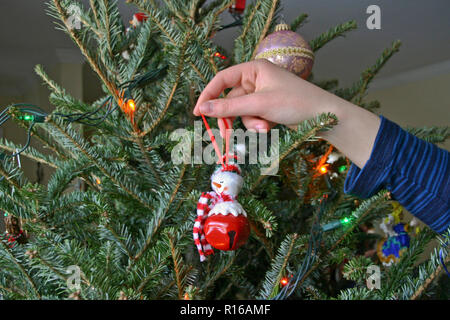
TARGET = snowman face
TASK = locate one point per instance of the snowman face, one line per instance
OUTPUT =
(229, 183)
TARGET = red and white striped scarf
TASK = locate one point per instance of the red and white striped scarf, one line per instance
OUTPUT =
(203, 208)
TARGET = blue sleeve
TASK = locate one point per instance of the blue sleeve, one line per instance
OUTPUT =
(416, 172)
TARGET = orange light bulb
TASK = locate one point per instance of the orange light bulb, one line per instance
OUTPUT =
(284, 281)
(186, 296)
(131, 105)
(323, 169)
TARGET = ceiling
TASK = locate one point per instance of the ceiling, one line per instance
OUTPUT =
(28, 37)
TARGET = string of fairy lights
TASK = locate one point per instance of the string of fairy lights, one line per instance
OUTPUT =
(33, 114)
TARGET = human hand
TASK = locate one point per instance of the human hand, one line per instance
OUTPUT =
(263, 94)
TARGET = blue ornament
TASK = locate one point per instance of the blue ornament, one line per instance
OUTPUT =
(391, 249)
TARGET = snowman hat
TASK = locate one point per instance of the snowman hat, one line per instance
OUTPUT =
(231, 168)
(232, 165)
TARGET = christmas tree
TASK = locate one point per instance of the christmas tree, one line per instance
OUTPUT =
(124, 231)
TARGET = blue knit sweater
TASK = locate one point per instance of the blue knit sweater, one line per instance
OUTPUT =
(416, 172)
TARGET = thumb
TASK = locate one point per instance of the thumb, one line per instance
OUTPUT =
(254, 104)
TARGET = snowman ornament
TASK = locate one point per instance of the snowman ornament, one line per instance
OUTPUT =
(221, 221)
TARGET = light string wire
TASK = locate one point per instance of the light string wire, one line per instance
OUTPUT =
(86, 117)
(91, 118)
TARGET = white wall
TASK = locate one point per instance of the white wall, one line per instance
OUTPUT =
(417, 103)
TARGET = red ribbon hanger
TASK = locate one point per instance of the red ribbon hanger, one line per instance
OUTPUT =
(227, 123)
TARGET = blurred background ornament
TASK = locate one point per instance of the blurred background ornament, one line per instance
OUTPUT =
(237, 7)
(391, 248)
(14, 232)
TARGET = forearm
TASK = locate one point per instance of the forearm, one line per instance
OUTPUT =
(355, 133)
(417, 173)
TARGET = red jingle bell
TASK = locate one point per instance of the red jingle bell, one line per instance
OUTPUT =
(227, 232)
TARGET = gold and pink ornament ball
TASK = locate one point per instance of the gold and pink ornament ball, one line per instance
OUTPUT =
(287, 49)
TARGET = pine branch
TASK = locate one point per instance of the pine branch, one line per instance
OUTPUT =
(268, 23)
(248, 23)
(358, 215)
(111, 23)
(298, 22)
(140, 143)
(85, 19)
(94, 8)
(176, 10)
(163, 26)
(7, 176)
(273, 277)
(400, 270)
(140, 53)
(152, 274)
(99, 163)
(176, 266)
(52, 85)
(29, 153)
(307, 130)
(85, 51)
(166, 209)
(118, 239)
(219, 271)
(217, 12)
(22, 269)
(44, 140)
(432, 135)
(358, 90)
(338, 31)
(172, 92)
(426, 283)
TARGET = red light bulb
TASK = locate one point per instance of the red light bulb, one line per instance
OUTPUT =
(221, 56)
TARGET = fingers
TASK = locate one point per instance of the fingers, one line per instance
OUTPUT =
(255, 104)
(234, 76)
(235, 92)
(255, 124)
(251, 123)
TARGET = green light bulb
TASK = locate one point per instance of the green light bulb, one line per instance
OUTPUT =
(342, 168)
(27, 117)
(345, 220)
